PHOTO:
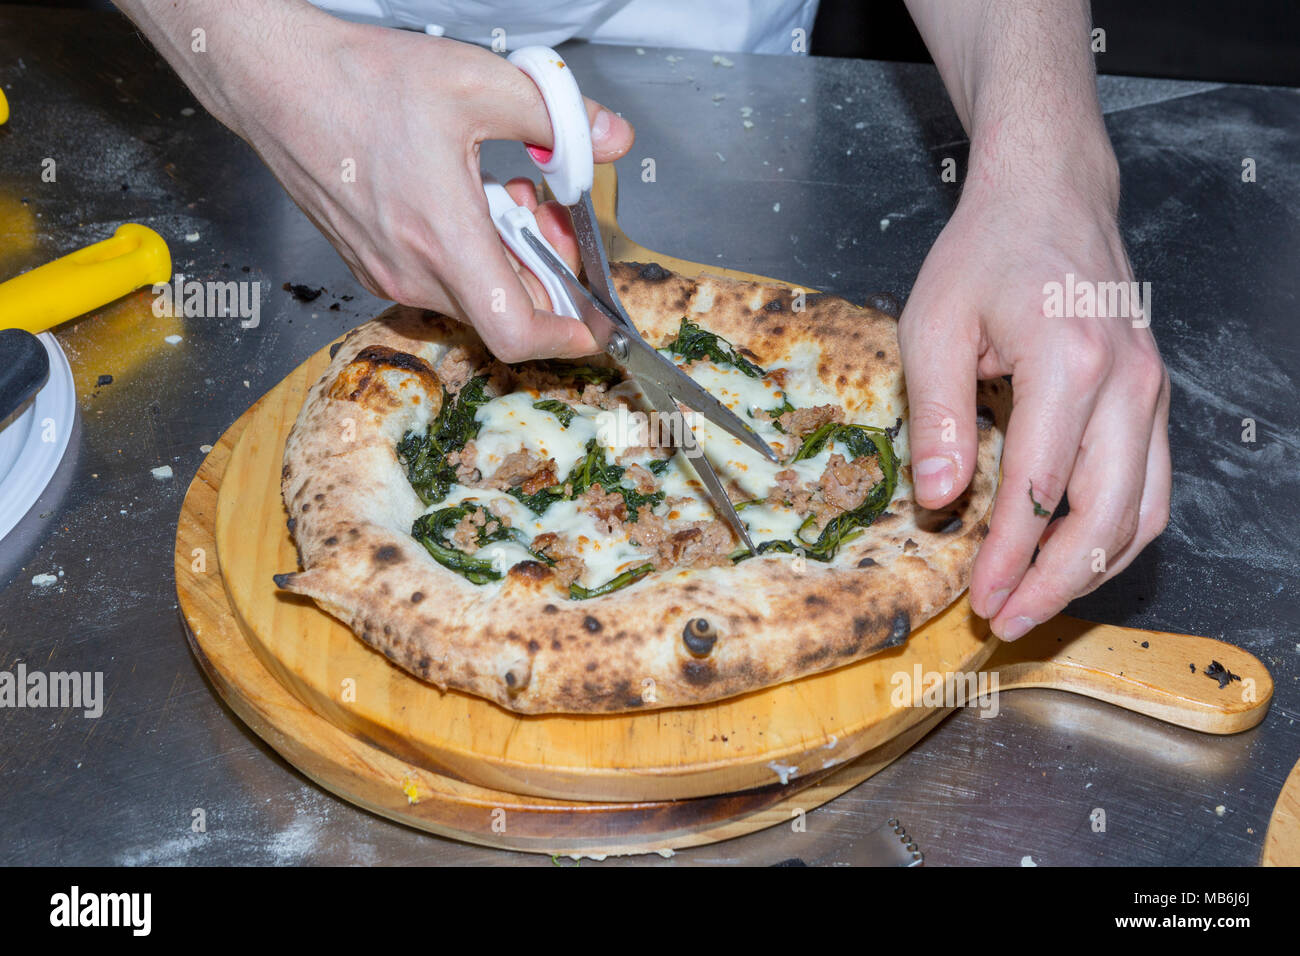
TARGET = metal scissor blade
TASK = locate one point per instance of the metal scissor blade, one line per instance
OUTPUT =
(618, 337)
(664, 404)
(608, 330)
(587, 229)
(645, 362)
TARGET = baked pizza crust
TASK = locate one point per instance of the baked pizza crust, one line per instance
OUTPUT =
(522, 642)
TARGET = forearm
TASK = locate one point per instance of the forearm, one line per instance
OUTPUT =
(227, 51)
(1021, 77)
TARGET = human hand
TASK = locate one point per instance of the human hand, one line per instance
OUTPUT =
(407, 113)
(1091, 395)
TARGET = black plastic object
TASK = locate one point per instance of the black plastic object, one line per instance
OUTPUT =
(24, 367)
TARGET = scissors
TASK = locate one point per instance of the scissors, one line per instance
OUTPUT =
(569, 172)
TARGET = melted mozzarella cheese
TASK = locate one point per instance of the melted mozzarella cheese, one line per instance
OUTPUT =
(510, 423)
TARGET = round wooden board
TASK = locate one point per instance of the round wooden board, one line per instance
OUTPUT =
(1282, 841)
(746, 742)
(374, 779)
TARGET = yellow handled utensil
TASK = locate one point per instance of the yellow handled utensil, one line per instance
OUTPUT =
(134, 256)
(4, 108)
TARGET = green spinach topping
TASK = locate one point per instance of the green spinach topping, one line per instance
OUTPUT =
(859, 441)
(557, 408)
(425, 456)
(594, 469)
(1039, 510)
(630, 576)
(433, 530)
(693, 343)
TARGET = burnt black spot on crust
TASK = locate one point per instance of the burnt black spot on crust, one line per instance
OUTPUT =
(334, 349)
(306, 508)
(653, 272)
(774, 306)
(939, 522)
(423, 663)
(699, 636)
(814, 600)
(319, 496)
(899, 628)
(417, 597)
(887, 303)
(382, 355)
(331, 541)
(698, 673)
(880, 353)
(867, 563)
(591, 666)
(862, 626)
(549, 609)
(291, 524)
(281, 580)
(387, 554)
(983, 417)
(533, 646)
(910, 545)
(556, 645)
(592, 624)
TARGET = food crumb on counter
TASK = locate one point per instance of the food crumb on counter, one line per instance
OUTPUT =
(1027, 861)
(162, 472)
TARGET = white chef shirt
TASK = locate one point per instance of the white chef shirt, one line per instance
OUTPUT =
(743, 26)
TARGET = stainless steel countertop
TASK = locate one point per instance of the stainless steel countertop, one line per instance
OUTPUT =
(841, 146)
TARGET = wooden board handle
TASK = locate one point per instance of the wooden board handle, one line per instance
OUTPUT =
(1150, 672)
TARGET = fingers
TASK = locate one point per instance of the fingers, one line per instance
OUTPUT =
(939, 356)
(1153, 512)
(1053, 405)
(493, 298)
(1106, 491)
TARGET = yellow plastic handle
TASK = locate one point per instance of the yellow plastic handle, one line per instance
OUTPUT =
(4, 108)
(85, 279)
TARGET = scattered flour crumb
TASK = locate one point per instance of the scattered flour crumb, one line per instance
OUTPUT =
(205, 448)
(1220, 810)
(640, 51)
(747, 111)
(666, 853)
(187, 111)
(1027, 861)
(783, 772)
(721, 158)
(162, 473)
(884, 224)
(191, 237)
(172, 339)
(721, 61)
(748, 124)
(776, 207)
(44, 580)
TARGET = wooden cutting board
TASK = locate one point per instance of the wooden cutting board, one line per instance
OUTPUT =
(372, 733)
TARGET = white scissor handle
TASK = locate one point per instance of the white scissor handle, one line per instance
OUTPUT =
(567, 165)
(511, 220)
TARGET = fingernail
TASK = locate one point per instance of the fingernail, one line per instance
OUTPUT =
(600, 126)
(1017, 627)
(934, 477)
(995, 602)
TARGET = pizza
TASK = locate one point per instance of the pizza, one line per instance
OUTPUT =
(529, 533)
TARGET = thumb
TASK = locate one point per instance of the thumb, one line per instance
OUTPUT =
(939, 345)
(512, 108)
